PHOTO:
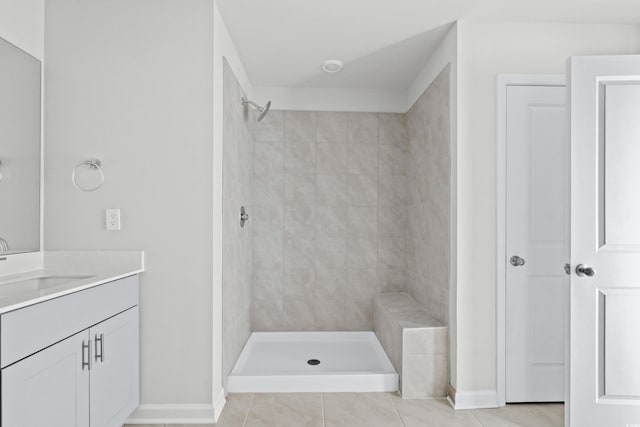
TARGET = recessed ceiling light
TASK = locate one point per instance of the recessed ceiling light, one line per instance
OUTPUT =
(332, 66)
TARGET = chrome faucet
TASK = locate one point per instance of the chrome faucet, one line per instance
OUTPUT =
(4, 246)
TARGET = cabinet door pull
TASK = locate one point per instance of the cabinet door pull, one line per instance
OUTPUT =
(86, 362)
(100, 355)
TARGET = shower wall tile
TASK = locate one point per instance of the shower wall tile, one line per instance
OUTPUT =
(332, 127)
(299, 190)
(299, 314)
(329, 314)
(331, 221)
(393, 160)
(271, 128)
(267, 221)
(361, 284)
(428, 198)
(331, 253)
(392, 279)
(363, 190)
(300, 126)
(363, 222)
(331, 190)
(392, 191)
(363, 128)
(391, 252)
(268, 157)
(331, 158)
(362, 253)
(393, 129)
(299, 221)
(299, 283)
(237, 257)
(268, 189)
(267, 253)
(331, 283)
(327, 188)
(299, 252)
(359, 314)
(392, 221)
(300, 157)
(363, 159)
(268, 284)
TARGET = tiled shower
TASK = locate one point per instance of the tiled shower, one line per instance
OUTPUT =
(343, 205)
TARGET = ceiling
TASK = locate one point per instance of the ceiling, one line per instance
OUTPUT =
(384, 44)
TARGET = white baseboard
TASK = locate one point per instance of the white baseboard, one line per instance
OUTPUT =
(175, 413)
(476, 399)
(218, 404)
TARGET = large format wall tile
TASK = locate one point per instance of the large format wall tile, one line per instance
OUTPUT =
(349, 200)
(237, 243)
(428, 198)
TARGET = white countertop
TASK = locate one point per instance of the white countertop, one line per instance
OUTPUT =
(100, 267)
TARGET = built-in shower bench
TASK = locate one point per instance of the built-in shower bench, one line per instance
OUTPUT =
(417, 344)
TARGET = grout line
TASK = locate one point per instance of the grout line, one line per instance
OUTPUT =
(322, 403)
(473, 413)
(246, 416)
(393, 405)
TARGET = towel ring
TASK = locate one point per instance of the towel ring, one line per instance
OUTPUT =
(94, 164)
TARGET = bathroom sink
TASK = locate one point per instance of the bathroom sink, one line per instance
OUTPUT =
(35, 284)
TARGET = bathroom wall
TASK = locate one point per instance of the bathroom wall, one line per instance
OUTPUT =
(131, 83)
(237, 242)
(22, 24)
(328, 220)
(428, 198)
(487, 48)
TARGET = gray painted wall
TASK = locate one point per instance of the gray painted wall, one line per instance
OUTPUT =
(130, 83)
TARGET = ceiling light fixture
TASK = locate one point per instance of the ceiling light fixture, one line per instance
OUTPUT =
(332, 66)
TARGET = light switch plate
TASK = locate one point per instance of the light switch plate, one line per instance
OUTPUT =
(112, 219)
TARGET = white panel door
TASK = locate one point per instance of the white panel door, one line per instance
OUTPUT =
(605, 241)
(49, 388)
(114, 372)
(537, 216)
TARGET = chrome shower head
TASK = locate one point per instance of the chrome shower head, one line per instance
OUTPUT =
(261, 110)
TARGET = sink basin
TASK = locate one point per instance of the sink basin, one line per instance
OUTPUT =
(35, 284)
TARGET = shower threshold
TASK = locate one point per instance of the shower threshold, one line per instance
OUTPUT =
(278, 362)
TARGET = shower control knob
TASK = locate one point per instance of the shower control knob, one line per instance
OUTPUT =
(244, 216)
(516, 261)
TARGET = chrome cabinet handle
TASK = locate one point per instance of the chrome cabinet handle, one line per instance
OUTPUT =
(86, 362)
(99, 338)
(516, 261)
(584, 270)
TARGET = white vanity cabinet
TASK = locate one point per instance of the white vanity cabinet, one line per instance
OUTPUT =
(72, 360)
(48, 388)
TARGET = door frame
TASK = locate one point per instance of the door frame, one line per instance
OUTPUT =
(503, 82)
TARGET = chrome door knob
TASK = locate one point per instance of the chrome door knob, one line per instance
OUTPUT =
(584, 270)
(516, 261)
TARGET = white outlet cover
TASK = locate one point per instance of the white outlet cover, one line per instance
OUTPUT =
(112, 218)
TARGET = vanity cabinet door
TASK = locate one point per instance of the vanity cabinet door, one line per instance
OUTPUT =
(114, 370)
(50, 387)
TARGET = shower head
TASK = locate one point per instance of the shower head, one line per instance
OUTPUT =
(261, 110)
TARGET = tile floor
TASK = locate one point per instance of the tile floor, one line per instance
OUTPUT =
(373, 410)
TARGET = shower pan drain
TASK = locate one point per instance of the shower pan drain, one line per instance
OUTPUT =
(313, 362)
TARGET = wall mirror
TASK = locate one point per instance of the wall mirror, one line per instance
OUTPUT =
(19, 150)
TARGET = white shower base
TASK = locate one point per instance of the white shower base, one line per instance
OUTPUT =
(274, 362)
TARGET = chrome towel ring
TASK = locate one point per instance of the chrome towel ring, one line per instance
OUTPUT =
(93, 164)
